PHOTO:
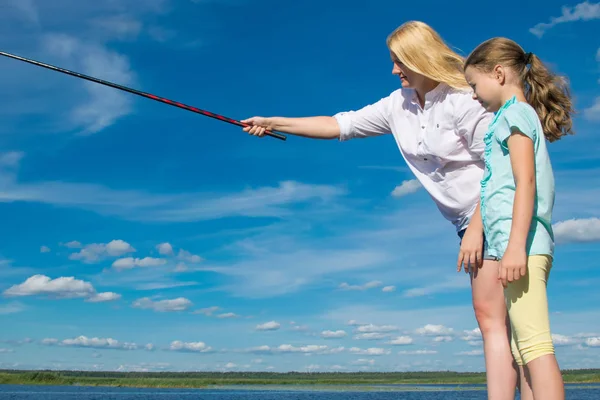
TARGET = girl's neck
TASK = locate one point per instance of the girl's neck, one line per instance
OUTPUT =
(514, 92)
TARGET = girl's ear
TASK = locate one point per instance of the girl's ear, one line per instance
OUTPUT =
(499, 74)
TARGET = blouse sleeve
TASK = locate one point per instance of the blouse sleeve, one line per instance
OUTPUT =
(472, 121)
(371, 120)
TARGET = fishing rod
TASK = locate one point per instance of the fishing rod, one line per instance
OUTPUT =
(274, 134)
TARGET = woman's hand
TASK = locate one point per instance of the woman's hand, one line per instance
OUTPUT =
(471, 249)
(258, 125)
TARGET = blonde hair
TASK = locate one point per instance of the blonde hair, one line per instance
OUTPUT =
(421, 48)
(546, 92)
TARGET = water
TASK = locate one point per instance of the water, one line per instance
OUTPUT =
(383, 392)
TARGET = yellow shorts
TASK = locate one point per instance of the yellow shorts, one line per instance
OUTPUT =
(527, 304)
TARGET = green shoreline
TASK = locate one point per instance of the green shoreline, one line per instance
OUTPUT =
(199, 380)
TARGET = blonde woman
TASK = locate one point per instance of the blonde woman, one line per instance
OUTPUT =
(439, 129)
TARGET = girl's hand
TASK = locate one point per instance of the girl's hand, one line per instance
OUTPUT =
(471, 249)
(513, 266)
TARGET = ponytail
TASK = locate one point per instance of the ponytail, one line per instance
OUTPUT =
(549, 95)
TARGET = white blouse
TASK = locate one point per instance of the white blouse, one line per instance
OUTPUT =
(442, 142)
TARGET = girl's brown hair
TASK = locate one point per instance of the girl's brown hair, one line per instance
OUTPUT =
(546, 92)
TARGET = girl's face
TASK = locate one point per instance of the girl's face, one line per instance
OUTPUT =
(486, 88)
(408, 78)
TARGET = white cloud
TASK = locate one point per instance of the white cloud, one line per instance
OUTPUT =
(581, 12)
(592, 113)
(288, 348)
(388, 289)
(94, 343)
(376, 328)
(6, 350)
(73, 244)
(178, 304)
(120, 26)
(186, 256)
(268, 326)
(449, 284)
(434, 330)
(191, 347)
(363, 361)
(130, 262)
(333, 334)
(366, 286)
(401, 341)
(474, 334)
(165, 249)
(418, 352)
(104, 297)
(577, 230)
(59, 288)
(207, 311)
(11, 308)
(229, 315)
(440, 339)
(104, 105)
(407, 187)
(371, 336)
(45, 249)
(561, 340)
(371, 351)
(64, 287)
(593, 342)
(470, 353)
(95, 252)
(26, 10)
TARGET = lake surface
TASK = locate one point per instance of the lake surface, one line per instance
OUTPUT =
(382, 392)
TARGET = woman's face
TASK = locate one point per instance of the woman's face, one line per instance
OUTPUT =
(408, 78)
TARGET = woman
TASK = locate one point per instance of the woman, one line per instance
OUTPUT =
(439, 130)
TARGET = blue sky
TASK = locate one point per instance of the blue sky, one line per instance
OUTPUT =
(138, 236)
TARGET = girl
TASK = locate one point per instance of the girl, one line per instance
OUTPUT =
(517, 196)
(439, 131)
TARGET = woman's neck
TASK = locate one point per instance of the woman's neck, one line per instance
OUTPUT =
(426, 87)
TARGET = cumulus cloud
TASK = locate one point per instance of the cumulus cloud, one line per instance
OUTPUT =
(585, 11)
(60, 288)
(45, 249)
(376, 328)
(388, 289)
(94, 343)
(208, 311)
(189, 347)
(165, 249)
(371, 351)
(172, 305)
(288, 348)
(268, 326)
(333, 334)
(366, 286)
(228, 315)
(418, 352)
(95, 252)
(371, 336)
(401, 340)
(434, 330)
(130, 262)
(104, 297)
(577, 230)
(406, 187)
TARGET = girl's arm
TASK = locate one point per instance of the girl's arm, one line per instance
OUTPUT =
(521, 152)
(514, 262)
